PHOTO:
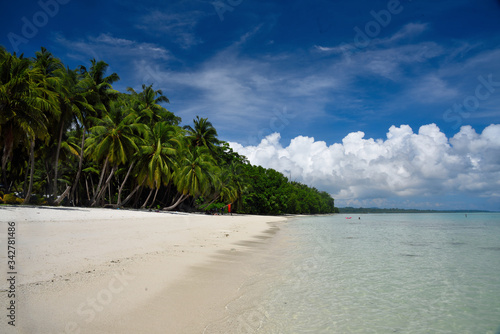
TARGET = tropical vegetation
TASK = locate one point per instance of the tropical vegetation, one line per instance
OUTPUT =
(68, 138)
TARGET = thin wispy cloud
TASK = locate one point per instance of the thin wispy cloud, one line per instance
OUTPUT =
(408, 31)
(106, 46)
(431, 89)
(180, 27)
(349, 46)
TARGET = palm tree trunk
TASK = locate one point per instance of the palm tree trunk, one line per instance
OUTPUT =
(56, 164)
(154, 198)
(118, 202)
(25, 183)
(181, 199)
(98, 190)
(80, 163)
(109, 193)
(213, 201)
(87, 186)
(103, 189)
(125, 201)
(63, 196)
(147, 199)
(165, 193)
(7, 152)
(92, 186)
(138, 197)
(32, 171)
(47, 188)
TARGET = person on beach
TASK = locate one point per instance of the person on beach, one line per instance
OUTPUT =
(229, 208)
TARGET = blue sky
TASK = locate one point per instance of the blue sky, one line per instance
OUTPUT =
(380, 103)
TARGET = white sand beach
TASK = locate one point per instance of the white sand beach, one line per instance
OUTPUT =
(81, 270)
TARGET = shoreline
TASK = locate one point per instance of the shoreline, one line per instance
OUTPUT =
(86, 270)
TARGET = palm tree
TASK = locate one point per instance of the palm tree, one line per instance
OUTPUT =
(49, 65)
(74, 110)
(195, 175)
(229, 184)
(203, 134)
(46, 62)
(25, 100)
(100, 85)
(230, 188)
(148, 106)
(113, 140)
(98, 92)
(157, 158)
(71, 101)
(83, 84)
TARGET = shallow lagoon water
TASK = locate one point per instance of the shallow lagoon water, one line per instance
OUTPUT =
(378, 273)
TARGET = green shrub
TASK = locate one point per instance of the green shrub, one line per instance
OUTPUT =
(12, 199)
(40, 200)
(215, 206)
(37, 200)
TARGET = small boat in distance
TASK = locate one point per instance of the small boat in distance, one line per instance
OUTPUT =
(348, 217)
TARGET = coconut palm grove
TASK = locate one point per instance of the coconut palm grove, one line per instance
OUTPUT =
(68, 138)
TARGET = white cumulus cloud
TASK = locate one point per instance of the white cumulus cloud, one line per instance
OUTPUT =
(404, 165)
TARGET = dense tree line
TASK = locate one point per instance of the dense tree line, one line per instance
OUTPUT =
(67, 137)
(270, 192)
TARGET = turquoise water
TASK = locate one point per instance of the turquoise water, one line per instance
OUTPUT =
(382, 273)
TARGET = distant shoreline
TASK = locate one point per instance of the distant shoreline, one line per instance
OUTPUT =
(395, 210)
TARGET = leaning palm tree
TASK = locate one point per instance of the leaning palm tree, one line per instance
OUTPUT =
(195, 175)
(227, 186)
(230, 186)
(157, 156)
